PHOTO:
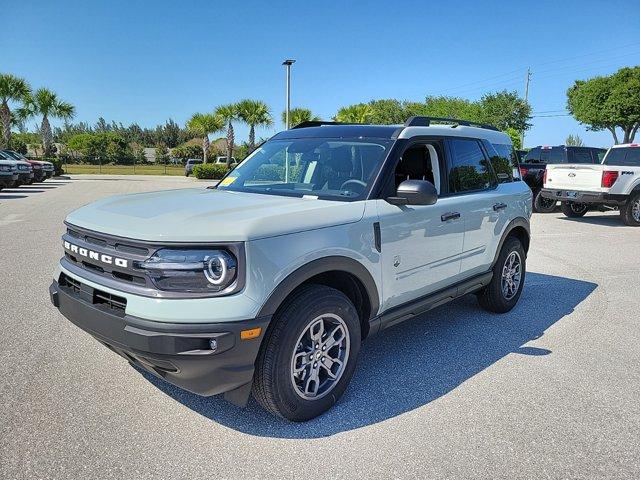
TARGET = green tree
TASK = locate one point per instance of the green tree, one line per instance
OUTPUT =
(162, 153)
(298, 116)
(505, 110)
(574, 141)
(609, 103)
(47, 104)
(228, 113)
(254, 113)
(358, 113)
(12, 90)
(452, 107)
(516, 138)
(203, 124)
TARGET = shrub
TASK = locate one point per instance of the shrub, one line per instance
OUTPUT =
(209, 171)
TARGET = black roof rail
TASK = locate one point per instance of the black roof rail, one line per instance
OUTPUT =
(418, 121)
(318, 123)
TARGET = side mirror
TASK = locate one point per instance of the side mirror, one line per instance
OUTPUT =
(415, 192)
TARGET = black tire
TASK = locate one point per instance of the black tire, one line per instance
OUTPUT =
(492, 297)
(573, 209)
(274, 383)
(627, 211)
(186, 174)
(543, 205)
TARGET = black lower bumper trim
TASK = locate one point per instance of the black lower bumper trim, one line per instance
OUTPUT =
(179, 353)
(583, 197)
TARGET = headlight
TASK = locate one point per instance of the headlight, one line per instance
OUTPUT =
(5, 168)
(192, 270)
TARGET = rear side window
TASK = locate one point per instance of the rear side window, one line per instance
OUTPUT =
(503, 160)
(629, 157)
(469, 169)
(552, 155)
(533, 156)
(580, 155)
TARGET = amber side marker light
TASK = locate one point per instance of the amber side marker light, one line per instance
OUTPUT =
(251, 333)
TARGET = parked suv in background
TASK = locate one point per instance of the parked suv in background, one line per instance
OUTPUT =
(24, 170)
(188, 167)
(8, 173)
(535, 162)
(613, 184)
(41, 169)
(326, 234)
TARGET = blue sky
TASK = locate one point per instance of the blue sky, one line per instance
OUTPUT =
(145, 62)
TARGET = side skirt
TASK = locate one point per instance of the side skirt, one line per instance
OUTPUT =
(409, 310)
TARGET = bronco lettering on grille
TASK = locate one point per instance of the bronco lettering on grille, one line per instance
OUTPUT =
(101, 257)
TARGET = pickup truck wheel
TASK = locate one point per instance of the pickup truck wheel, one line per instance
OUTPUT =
(502, 294)
(309, 355)
(543, 205)
(574, 209)
(630, 212)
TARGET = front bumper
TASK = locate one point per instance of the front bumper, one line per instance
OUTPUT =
(583, 197)
(181, 354)
(38, 175)
(48, 173)
(24, 177)
(7, 179)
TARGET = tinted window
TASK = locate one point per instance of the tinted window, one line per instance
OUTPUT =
(552, 155)
(580, 155)
(623, 156)
(601, 152)
(505, 163)
(469, 169)
(533, 156)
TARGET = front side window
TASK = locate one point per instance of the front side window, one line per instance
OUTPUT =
(627, 157)
(469, 169)
(332, 169)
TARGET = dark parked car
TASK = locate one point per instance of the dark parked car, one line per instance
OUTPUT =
(533, 166)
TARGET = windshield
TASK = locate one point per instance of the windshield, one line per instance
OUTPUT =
(335, 169)
(12, 155)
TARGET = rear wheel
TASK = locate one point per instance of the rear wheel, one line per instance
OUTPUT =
(502, 294)
(543, 205)
(574, 209)
(309, 355)
(630, 212)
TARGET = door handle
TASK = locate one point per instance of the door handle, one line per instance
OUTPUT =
(499, 206)
(449, 216)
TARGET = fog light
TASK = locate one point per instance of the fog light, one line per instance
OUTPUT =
(213, 343)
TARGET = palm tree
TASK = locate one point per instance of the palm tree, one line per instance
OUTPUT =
(359, 113)
(46, 103)
(12, 89)
(254, 113)
(228, 113)
(299, 115)
(203, 124)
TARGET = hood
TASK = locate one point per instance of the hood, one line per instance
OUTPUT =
(208, 215)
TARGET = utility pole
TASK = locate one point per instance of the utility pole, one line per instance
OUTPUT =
(287, 64)
(526, 99)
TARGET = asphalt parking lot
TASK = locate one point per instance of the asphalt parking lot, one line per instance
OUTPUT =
(549, 390)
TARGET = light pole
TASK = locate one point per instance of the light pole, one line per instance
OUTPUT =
(287, 64)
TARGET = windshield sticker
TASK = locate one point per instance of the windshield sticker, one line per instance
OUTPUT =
(227, 181)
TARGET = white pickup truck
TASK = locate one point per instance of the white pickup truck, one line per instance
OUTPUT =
(613, 184)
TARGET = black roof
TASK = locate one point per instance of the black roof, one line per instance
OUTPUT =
(341, 131)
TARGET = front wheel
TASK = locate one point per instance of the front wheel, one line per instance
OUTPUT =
(574, 209)
(630, 211)
(502, 294)
(543, 205)
(309, 354)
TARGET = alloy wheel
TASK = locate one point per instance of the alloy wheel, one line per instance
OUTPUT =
(320, 356)
(511, 275)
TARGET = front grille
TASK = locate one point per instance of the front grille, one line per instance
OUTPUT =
(101, 299)
(108, 300)
(70, 283)
(131, 251)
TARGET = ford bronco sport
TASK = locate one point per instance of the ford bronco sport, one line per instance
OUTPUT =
(326, 234)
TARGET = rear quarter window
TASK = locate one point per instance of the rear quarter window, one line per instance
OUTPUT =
(628, 157)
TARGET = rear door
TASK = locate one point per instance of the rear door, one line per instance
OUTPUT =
(472, 179)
